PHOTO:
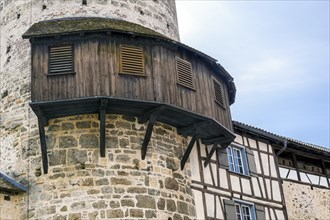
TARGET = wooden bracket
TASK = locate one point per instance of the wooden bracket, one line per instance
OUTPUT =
(102, 118)
(151, 116)
(217, 140)
(210, 154)
(147, 115)
(42, 136)
(188, 151)
(41, 115)
(190, 129)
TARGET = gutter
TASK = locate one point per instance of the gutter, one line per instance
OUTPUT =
(285, 144)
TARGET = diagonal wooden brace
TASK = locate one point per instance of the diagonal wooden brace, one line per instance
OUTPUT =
(152, 116)
(188, 151)
(209, 156)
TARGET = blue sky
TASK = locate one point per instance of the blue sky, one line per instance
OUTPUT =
(278, 54)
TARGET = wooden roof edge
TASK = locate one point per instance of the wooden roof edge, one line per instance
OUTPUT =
(17, 186)
(280, 139)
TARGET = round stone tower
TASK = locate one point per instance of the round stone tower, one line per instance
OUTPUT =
(101, 107)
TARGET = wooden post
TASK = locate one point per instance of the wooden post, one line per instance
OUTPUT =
(147, 136)
(295, 164)
(42, 136)
(102, 118)
(209, 156)
(325, 172)
(188, 151)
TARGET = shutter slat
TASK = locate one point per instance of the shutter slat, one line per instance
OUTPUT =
(218, 93)
(131, 60)
(60, 59)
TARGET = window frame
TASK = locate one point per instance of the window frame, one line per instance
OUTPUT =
(243, 204)
(239, 157)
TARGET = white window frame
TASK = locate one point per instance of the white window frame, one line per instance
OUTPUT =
(237, 159)
(243, 204)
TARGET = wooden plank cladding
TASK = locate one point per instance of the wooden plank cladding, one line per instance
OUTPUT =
(110, 65)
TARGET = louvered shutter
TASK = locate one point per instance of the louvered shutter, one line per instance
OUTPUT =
(61, 59)
(251, 162)
(230, 211)
(218, 94)
(184, 73)
(223, 158)
(131, 60)
(260, 212)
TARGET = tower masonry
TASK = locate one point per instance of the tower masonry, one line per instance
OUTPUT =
(101, 106)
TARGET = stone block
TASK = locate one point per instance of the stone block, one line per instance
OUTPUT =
(120, 181)
(103, 181)
(83, 124)
(78, 205)
(136, 213)
(89, 141)
(170, 204)
(67, 126)
(137, 190)
(143, 201)
(151, 214)
(115, 213)
(183, 208)
(67, 141)
(74, 216)
(57, 157)
(114, 204)
(76, 156)
(99, 205)
(127, 202)
(161, 204)
(171, 183)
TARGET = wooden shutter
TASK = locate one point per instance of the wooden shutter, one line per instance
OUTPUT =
(223, 158)
(131, 60)
(184, 73)
(260, 212)
(60, 59)
(218, 94)
(230, 209)
(251, 162)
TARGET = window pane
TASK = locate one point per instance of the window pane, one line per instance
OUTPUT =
(246, 212)
(230, 159)
(238, 212)
(238, 161)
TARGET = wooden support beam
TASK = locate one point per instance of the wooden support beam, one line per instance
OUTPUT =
(42, 136)
(102, 118)
(151, 115)
(209, 156)
(148, 114)
(295, 164)
(324, 169)
(41, 115)
(191, 129)
(188, 151)
(147, 136)
(215, 140)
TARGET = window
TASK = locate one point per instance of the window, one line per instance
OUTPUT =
(237, 160)
(131, 60)
(242, 210)
(60, 60)
(184, 73)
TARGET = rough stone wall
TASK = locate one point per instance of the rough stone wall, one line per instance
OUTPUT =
(10, 209)
(305, 203)
(83, 185)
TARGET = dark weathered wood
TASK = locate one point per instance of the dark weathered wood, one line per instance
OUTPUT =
(154, 112)
(188, 151)
(96, 66)
(187, 130)
(102, 117)
(210, 154)
(43, 145)
(147, 136)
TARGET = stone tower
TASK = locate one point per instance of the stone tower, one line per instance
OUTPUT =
(79, 152)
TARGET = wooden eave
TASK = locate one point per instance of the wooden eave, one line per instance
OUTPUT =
(10, 186)
(208, 130)
(85, 25)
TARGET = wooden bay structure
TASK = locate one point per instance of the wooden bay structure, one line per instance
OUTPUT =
(98, 65)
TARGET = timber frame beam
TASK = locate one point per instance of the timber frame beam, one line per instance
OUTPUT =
(187, 123)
